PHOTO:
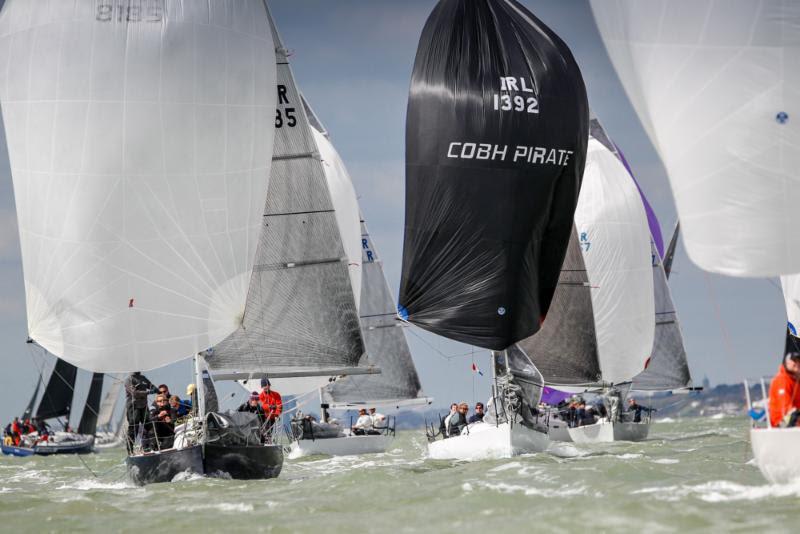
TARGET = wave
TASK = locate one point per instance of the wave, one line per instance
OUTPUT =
(718, 491)
(89, 484)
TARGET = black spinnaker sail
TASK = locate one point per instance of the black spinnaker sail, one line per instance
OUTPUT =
(57, 398)
(496, 137)
(88, 424)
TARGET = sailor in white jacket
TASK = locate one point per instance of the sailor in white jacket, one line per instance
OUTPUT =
(363, 423)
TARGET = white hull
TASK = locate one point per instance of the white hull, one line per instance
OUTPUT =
(559, 430)
(482, 441)
(343, 446)
(607, 432)
(108, 440)
(777, 453)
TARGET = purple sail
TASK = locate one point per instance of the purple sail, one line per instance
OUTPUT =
(652, 220)
(554, 396)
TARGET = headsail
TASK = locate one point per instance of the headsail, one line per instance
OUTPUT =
(496, 135)
(88, 424)
(140, 145)
(602, 321)
(302, 312)
(57, 398)
(385, 341)
(710, 83)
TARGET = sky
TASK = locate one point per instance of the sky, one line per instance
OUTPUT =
(353, 61)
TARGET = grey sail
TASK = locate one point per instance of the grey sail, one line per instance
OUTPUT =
(669, 254)
(385, 341)
(565, 349)
(301, 312)
(108, 406)
(667, 368)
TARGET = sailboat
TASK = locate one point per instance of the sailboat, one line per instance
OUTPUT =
(301, 324)
(600, 328)
(110, 428)
(710, 87)
(57, 402)
(140, 154)
(396, 386)
(496, 134)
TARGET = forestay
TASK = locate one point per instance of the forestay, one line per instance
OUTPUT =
(716, 86)
(301, 309)
(385, 340)
(496, 135)
(139, 137)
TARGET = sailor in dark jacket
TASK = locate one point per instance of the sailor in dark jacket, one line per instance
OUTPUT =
(458, 421)
(137, 387)
(252, 405)
(162, 419)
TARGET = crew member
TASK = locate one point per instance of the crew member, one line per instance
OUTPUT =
(252, 405)
(137, 387)
(378, 419)
(784, 393)
(363, 423)
(477, 417)
(271, 404)
(163, 420)
(458, 421)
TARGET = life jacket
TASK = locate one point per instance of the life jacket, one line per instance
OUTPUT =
(271, 403)
(784, 395)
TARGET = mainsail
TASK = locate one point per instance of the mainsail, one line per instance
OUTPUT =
(57, 398)
(711, 84)
(385, 341)
(88, 424)
(496, 134)
(108, 406)
(669, 255)
(140, 142)
(32, 403)
(302, 307)
(602, 324)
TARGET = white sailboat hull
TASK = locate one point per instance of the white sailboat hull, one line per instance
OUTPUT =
(777, 453)
(108, 440)
(481, 441)
(342, 446)
(558, 430)
(608, 432)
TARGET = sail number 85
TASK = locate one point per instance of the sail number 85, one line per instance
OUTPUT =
(287, 117)
(516, 103)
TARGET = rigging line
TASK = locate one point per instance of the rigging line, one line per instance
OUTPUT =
(440, 353)
(723, 329)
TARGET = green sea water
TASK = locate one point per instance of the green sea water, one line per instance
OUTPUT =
(691, 475)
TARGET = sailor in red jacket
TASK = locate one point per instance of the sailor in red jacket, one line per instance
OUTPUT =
(270, 401)
(784, 392)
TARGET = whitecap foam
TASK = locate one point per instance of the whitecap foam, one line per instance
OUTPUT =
(664, 420)
(718, 491)
(718, 416)
(227, 507)
(504, 487)
(186, 476)
(89, 484)
(466, 486)
(505, 467)
(666, 461)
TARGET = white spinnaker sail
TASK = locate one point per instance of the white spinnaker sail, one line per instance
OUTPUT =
(615, 240)
(140, 141)
(717, 87)
(345, 204)
(791, 296)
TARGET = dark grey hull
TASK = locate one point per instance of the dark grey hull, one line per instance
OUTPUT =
(243, 462)
(163, 466)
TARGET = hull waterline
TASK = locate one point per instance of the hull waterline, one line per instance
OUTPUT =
(163, 466)
(341, 446)
(607, 432)
(243, 462)
(481, 441)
